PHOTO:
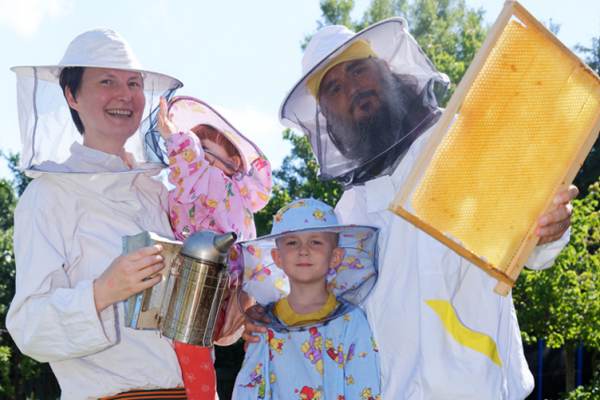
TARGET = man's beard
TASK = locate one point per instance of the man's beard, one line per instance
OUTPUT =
(364, 139)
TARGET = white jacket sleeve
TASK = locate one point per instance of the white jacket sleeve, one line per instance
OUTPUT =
(51, 319)
(543, 256)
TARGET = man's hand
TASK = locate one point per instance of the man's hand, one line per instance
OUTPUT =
(127, 275)
(255, 312)
(552, 226)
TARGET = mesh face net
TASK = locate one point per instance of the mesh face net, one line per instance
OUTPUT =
(47, 129)
(527, 114)
(388, 102)
(351, 282)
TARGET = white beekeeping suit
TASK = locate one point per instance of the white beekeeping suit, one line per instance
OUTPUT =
(442, 332)
(69, 225)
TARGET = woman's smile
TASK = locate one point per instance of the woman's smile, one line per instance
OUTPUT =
(110, 103)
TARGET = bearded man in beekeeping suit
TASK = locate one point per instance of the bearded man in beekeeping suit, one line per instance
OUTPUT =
(368, 102)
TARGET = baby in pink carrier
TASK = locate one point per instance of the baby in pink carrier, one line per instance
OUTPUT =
(221, 179)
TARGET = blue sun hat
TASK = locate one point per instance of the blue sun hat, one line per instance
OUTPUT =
(350, 282)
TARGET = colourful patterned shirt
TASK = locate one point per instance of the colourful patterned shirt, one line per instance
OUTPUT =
(336, 360)
(205, 198)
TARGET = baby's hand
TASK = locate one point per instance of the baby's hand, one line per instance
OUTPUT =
(165, 125)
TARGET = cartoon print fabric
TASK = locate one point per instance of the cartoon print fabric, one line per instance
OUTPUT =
(205, 198)
(337, 360)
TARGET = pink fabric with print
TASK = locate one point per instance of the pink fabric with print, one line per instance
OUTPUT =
(205, 198)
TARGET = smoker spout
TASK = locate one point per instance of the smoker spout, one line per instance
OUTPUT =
(225, 241)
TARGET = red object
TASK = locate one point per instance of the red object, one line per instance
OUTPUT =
(198, 371)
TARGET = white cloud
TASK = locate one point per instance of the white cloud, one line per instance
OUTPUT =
(25, 16)
(263, 129)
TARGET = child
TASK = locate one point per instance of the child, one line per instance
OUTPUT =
(221, 179)
(319, 344)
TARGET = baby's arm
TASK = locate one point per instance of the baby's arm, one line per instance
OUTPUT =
(165, 125)
(362, 370)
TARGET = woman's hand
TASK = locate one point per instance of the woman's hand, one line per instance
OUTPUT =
(165, 125)
(127, 275)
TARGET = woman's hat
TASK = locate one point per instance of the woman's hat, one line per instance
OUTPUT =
(388, 40)
(350, 282)
(47, 129)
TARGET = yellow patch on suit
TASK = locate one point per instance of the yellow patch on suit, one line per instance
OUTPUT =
(473, 340)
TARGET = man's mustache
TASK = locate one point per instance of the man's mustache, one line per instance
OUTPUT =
(359, 97)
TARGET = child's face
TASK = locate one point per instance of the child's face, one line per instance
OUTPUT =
(307, 257)
(221, 152)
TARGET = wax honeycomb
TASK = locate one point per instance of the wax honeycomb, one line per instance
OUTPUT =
(519, 129)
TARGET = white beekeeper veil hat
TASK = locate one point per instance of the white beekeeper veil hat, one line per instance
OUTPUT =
(390, 45)
(47, 128)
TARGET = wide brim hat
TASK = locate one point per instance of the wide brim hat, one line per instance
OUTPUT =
(388, 40)
(351, 282)
(188, 112)
(47, 129)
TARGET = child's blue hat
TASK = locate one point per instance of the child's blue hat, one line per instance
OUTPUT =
(350, 282)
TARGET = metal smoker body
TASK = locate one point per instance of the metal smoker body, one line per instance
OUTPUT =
(185, 305)
(195, 288)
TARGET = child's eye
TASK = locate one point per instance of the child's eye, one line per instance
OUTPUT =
(316, 242)
(291, 243)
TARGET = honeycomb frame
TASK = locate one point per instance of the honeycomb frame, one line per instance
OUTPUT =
(491, 66)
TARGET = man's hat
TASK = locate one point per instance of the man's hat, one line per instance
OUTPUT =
(350, 282)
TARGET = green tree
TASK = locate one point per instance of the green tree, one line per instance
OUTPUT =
(296, 179)
(560, 305)
(591, 391)
(16, 369)
(591, 167)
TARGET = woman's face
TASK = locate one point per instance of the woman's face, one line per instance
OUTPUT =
(110, 103)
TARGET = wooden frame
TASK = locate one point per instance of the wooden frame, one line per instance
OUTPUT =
(508, 277)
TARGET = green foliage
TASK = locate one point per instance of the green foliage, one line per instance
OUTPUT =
(12, 363)
(591, 167)
(21, 180)
(560, 305)
(336, 12)
(449, 32)
(6, 388)
(296, 179)
(590, 391)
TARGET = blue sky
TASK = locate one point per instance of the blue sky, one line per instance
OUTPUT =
(239, 56)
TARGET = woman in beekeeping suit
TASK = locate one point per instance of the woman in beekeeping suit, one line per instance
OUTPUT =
(94, 160)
